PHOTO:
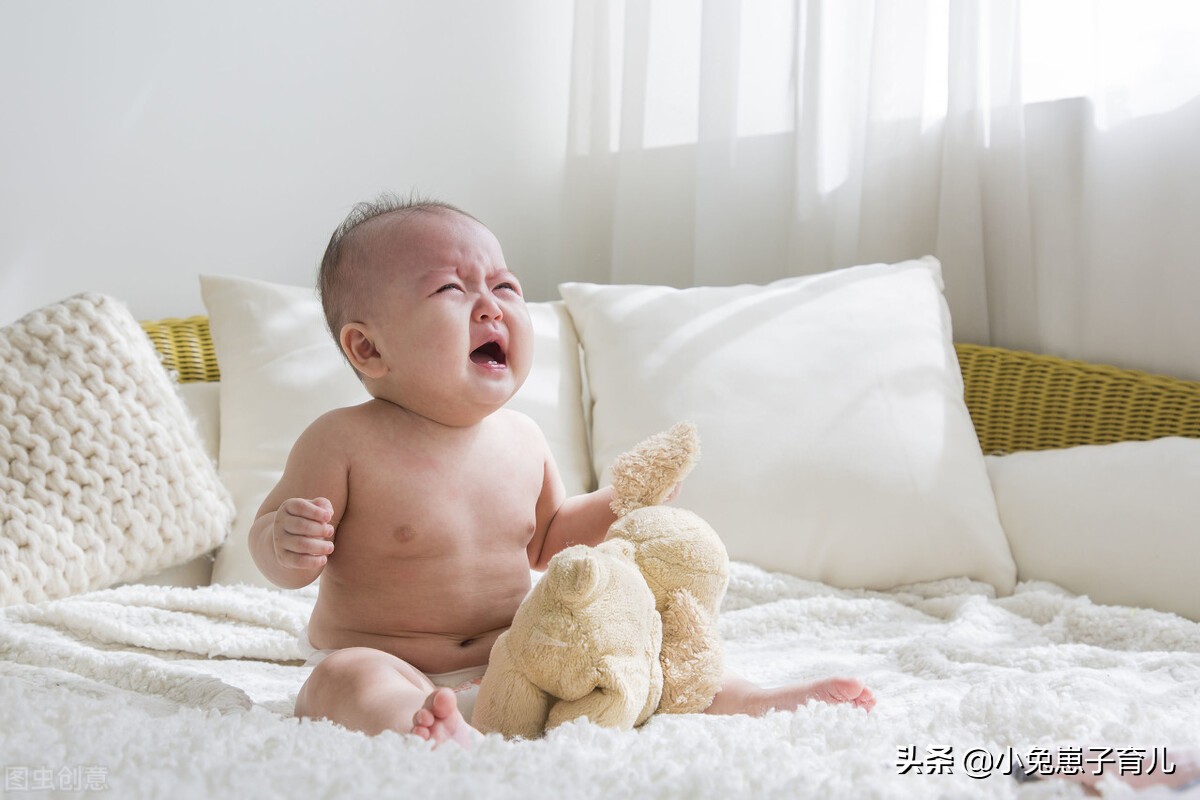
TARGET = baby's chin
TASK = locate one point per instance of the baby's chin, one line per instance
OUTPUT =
(458, 399)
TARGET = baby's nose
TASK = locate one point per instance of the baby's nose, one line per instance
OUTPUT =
(487, 309)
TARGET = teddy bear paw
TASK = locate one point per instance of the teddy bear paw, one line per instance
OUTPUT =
(646, 475)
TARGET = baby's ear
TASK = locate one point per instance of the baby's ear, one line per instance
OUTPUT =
(360, 350)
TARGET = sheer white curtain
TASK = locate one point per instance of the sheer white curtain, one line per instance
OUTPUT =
(1047, 152)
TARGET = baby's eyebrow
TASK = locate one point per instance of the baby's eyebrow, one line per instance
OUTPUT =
(448, 271)
(499, 275)
(439, 274)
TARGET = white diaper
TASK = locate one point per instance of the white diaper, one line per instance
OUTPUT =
(312, 656)
(464, 682)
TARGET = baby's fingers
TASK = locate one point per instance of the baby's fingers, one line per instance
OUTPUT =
(302, 552)
(303, 533)
(306, 517)
(305, 545)
(318, 510)
(302, 526)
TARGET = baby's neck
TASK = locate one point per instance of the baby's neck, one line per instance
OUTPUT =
(433, 427)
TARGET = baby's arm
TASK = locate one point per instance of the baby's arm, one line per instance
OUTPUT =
(582, 519)
(565, 521)
(292, 535)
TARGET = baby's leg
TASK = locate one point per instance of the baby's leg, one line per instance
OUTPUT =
(372, 691)
(740, 696)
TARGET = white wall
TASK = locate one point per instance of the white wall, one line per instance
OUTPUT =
(143, 143)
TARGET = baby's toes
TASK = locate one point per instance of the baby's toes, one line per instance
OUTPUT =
(442, 703)
(423, 719)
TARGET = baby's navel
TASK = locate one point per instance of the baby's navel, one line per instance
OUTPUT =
(466, 642)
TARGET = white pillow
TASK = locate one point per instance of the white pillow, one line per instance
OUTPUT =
(1119, 522)
(202, 401)
(103, 477)
(280, 370)
(836, 443)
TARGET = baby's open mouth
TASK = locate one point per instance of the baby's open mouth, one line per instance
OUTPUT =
(489, 354)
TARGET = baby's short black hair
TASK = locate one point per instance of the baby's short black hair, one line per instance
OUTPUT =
(340, 276)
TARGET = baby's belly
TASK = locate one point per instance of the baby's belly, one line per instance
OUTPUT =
(437, 627)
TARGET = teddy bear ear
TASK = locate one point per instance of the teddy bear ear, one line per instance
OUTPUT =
(577, 576)
(622, 547)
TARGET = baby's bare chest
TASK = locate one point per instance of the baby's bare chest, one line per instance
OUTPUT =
(408, 503)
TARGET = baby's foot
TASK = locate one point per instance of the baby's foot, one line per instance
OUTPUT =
(439, 720)
(830, 690)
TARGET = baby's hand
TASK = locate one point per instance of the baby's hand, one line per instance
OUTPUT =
(302, 534)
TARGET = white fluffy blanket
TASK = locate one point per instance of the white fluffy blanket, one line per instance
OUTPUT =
(168, 692)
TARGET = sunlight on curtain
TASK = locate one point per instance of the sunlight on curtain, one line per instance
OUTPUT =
(765, 98)
(1043, 150)
(672, 73)
(1127, 56)
(1132, 58)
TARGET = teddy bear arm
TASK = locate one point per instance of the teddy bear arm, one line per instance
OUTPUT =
(625, 693)
(645, 475)
(508, 702)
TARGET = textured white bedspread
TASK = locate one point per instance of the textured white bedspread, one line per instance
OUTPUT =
(157, 692)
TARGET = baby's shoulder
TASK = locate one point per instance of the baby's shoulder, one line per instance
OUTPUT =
(339, 418)
(518, 425)
(338, 425)
(515, 420)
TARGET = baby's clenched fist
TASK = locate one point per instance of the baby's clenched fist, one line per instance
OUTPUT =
(302, 533)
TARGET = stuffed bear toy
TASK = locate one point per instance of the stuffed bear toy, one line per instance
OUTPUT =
(621, 630)
(584, 643)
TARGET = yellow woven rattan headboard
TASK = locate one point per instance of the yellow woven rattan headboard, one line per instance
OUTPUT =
(186, 348)
(1018, 401)
(1023, 401)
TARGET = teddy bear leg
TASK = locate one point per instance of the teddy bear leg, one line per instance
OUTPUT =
(691, 656)
(508, 702)
(626, 690)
